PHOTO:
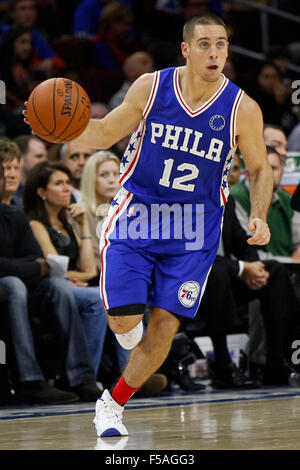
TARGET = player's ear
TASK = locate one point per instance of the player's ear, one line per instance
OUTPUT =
(185, 49)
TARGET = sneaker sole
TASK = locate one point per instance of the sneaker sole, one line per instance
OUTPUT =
(111, 432)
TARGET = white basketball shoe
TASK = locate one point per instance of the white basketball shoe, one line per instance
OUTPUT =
(108, 419)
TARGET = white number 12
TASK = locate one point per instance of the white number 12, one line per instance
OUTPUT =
(180, 181)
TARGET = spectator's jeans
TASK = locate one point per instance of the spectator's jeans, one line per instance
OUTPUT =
(94, 320)
(52, 295)
(93, 315)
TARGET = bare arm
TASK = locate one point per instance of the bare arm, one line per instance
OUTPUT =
(121, 121)
(44, 240)
(253, 149)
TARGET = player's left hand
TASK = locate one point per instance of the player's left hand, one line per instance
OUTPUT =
(261, 232)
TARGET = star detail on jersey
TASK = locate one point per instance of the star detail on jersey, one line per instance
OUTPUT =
(131, 151)
(124, 160)
(114, 202)
(224, 182)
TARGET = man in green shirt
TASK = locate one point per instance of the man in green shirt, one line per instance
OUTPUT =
(284, 223)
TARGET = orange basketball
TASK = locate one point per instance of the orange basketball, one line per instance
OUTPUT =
(58, 110)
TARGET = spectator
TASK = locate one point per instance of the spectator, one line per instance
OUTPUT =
(98, 110)
(33, 150)
(239, 277)
(112, 46)
(24, 274)
(273, 97)
(47, 196)
(10, 156)
(74, 157)
(235, 170)
(284, 223)
(87, 15)
(134, 66)
(16, 55)
(294, 139)
(25, 12)
(274, 136)
(99, 185)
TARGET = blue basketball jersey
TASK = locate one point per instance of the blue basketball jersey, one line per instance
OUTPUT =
(177, 154)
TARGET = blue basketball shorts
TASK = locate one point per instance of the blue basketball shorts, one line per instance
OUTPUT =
(146, 259)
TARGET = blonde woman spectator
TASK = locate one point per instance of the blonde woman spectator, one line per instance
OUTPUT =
(99, 185)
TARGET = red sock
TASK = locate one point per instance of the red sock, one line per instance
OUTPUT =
(122, 392)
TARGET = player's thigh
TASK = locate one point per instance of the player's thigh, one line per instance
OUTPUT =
(125, 280)
(180, 282)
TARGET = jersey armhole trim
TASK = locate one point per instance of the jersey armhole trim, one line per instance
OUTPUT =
(152, 94)
(235, 108)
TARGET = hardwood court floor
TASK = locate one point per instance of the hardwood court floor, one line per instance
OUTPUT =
(265, 419)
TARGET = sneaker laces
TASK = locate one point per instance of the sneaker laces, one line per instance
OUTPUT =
(112, 414)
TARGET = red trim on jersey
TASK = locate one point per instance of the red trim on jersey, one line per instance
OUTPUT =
(106, 244)
(223, 196)
(152, 95)
(240, 94)
(206, 105)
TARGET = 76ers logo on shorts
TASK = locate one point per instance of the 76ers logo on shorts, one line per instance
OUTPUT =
(188, 293)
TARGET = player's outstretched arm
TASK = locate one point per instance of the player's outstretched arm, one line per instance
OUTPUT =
(121, 121)
(253, 149)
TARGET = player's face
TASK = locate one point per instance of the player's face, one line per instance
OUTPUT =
(107, 180)
(58, 190)
(207, 51)
(12, 175)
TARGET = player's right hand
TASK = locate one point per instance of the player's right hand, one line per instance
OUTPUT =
(261, 231)
(25, 117)
(24, 113)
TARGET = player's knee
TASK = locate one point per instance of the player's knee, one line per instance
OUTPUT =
(123, 324)
(130, 339)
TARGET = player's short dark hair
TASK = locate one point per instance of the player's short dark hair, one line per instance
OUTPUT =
(204, 19)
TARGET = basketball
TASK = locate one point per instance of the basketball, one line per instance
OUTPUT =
(58, 110)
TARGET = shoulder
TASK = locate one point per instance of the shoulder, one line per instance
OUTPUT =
(13, 213)
(283, 194)
(37, 223)
(38, 227)
(144, 82)
(249, 108)
(249, 116)
(139, 92)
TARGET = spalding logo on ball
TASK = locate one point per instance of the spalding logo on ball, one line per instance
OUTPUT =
(58, 110)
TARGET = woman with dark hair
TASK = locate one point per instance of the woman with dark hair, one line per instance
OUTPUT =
(47, 195)
(16, 56)
(273, 96)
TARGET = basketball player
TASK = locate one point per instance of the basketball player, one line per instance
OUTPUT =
(186, 123)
